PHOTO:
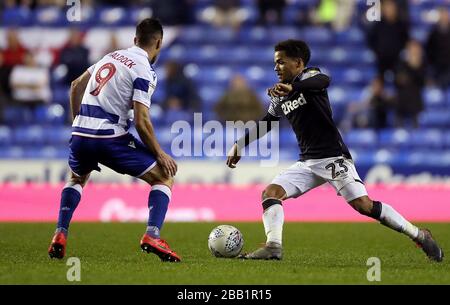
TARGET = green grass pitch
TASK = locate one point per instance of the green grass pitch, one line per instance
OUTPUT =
(314, 253)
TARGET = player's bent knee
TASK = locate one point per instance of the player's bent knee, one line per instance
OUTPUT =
(167, 182)
(81, 180)
(157, 176)
(274, 191)
(363, 205)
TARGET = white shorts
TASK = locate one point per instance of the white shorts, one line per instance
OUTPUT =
(306, 175)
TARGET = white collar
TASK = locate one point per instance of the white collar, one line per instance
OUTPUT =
(138, 50)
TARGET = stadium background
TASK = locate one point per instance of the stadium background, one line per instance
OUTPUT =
(405, 166)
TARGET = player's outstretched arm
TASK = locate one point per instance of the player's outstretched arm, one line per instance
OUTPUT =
(145, 129)
(77, 89)
(234, 155)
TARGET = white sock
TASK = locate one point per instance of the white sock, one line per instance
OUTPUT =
(273, 219)
(392, 219)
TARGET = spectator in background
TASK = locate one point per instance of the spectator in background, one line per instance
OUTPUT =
(25, 4)
(388, 37)
(371, 112)
(271, 11)
(74, 56)
(224, 13)
(113, 45)
(30, 84)
(409, 81)
(173, 12)
(438, 49)
(180, 92)
(239, 103)
(403, 10)
(7, 4)
(380, 104)
(12, 55)
(335, 13)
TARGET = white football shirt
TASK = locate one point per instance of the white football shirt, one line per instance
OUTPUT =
(117, 80)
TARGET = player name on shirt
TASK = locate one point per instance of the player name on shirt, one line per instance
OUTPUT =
(122, 59)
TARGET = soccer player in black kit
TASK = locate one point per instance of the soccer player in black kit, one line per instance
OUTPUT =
(301, 96)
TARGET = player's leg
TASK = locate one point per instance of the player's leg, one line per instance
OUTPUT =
(291, 183)
(349, 185)
(273, 220)
(273, 213)
(82, 160)
(158, 199)
(128, 155)
(390, 218)
(158, 203)
(70, 198)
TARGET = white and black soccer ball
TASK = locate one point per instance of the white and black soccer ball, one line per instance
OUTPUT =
(225, 241)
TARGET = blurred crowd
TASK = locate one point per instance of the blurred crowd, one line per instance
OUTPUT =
(404, 64)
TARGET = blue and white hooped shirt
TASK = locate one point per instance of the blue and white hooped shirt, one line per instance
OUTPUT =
(117, 80)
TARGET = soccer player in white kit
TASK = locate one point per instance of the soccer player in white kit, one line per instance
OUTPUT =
(104, 100)
(301, 97)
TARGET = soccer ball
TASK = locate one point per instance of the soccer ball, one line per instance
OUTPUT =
(225, 241)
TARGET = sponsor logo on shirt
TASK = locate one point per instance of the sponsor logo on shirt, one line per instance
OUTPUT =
(289, 106)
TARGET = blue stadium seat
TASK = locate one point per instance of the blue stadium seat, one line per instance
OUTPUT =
(379, 156)
(211, 94)
(48, 152)
(32, 135)
(253, 36)
(191, 34)
(432, 118)
(352, 36)
(17, 115)
(447, 96)
(343, 95)
(317, 35)
(392, 138)
(419, 33)
(159, 95)
(447, 138)
(5, 136)
(343, 55)
(301, 3)
(50, 16)
(434, 98)
(12, 152)
(361, 138)
(60, 95)
(427, 138)
(213, 75)
(113, 16)
(427, 158)
(362, 157)
(50, 114)
(58, 135)
(16, 16)
(279, 33)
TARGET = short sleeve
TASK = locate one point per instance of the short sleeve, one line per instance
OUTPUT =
(91, 69)
(144, 84)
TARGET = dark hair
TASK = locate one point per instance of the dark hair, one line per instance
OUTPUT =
(295, 49)
(147, 30)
